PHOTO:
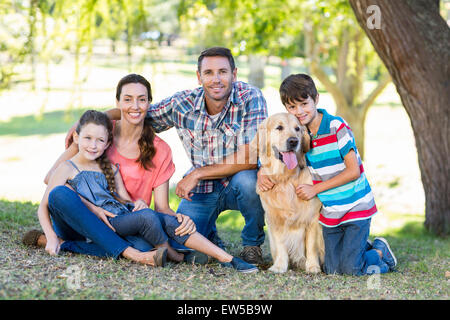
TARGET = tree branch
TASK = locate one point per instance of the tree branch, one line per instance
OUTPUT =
(384, 81)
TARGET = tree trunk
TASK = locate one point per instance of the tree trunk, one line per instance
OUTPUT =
(256, 72)
(414, 43)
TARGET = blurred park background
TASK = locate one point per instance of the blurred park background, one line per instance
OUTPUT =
(61, 57)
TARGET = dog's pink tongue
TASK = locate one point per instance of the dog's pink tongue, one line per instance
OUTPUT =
(289, 159)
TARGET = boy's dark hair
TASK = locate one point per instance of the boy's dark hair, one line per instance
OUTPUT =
(297, 87)
(216, 52)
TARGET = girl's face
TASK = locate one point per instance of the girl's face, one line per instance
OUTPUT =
(92, 141)
(133, 103)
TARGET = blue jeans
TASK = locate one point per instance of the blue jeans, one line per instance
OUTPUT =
(154, 227)
(240, 194)
(73, 222)
(346, 251)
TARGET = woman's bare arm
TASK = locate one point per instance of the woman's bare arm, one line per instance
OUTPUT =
(66, 155)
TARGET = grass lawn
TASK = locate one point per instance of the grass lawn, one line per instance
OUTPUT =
(28, 273)
(32, 130)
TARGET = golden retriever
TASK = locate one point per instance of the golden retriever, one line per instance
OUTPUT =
(295, 234)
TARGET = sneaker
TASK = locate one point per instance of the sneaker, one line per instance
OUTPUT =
(240, 266)
(195, 257)
(252, 254)
(388, 256)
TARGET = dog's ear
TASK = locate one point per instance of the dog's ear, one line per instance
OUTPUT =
(305, 146)
(306, 141)
(258, 145)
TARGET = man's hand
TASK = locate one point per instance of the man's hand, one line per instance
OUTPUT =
(187, 225)
(305, 191)
(264, 182)
(139, 205)
(69, 136)
(185, 186)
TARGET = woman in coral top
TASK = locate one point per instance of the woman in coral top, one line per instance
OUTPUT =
(145, 164)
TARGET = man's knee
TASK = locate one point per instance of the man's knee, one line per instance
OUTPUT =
(245, 181)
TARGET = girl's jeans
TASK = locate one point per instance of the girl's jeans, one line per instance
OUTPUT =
(239, 194)
(154, 227)
(74, 223)
(346, 250)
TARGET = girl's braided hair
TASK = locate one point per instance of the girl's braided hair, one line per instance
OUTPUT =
(100, 118)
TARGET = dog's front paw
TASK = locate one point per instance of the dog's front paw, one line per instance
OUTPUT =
(312, 268)
(278, 269)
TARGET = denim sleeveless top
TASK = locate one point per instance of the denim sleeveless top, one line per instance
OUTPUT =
(92, 186)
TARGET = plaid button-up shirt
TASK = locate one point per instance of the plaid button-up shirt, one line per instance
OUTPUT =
(207, 141)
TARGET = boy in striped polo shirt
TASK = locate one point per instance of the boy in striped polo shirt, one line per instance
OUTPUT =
(340, 184)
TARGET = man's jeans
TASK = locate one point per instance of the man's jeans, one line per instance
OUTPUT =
(346, 250)
(240, 194)
(73, 222)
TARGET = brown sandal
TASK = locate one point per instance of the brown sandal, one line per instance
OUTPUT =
(160, 257)
(31, 237)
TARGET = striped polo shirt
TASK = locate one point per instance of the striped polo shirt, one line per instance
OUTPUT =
(351, 201)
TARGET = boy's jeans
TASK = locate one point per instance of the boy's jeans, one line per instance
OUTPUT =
(346, 251)
(240, 194)
(73, 222)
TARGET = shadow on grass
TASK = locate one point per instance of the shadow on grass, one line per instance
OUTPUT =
(49, 123)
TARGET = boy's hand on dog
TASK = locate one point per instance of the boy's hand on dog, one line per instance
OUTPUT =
(305, 191)
(263, 181)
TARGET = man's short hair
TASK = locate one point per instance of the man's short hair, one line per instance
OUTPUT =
(216, 52)
(297, 87)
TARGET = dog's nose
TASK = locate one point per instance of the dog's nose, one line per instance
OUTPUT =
(292, 143)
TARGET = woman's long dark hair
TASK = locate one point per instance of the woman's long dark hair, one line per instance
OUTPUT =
(101, 119)
(146, 146)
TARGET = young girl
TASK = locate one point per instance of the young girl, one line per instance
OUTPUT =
(94, 178)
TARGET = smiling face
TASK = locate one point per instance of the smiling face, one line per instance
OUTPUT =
(133, 103)
(304, 110)
(216, 77)
(92, 141)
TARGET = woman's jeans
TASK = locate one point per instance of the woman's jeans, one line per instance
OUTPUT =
(346, 250)
(239, 194)
(75, 223)
(154, 227)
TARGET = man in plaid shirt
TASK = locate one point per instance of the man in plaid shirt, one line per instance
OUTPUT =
(215, 123)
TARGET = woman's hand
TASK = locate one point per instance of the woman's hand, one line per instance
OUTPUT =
(52, 246)
(103, 214)
(187, 225)
(139, 205)
(69, 136)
